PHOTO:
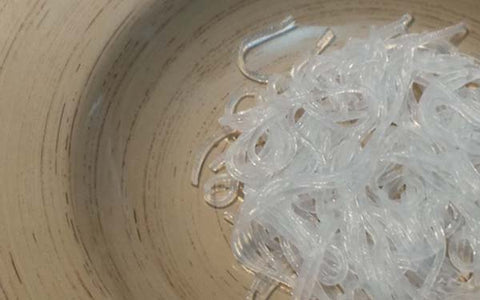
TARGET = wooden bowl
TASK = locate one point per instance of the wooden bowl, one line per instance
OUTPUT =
(102, 106)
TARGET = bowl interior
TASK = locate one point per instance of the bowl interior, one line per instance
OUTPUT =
(154, 96)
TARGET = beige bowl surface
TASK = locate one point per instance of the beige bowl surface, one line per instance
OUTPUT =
(103, 104)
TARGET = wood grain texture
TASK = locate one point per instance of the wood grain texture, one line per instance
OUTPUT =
(102, 105)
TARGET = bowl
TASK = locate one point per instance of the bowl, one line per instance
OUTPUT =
(103, 105)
